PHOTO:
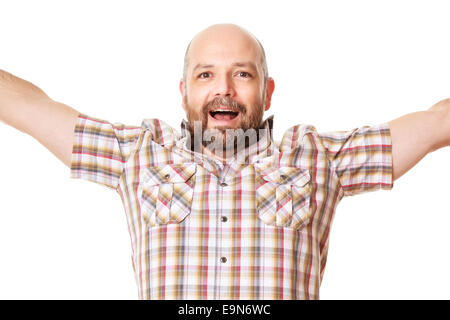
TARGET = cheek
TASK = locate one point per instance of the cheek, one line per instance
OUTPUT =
(197, 98)
(251, 93)
(252, 99)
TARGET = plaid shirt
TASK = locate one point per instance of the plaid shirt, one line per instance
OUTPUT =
(253, 229)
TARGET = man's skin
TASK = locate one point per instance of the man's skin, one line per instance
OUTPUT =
(223, 61)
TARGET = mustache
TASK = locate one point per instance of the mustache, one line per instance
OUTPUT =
(224, 102)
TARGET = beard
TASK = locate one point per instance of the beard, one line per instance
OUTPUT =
(226, 139)
(249, 120)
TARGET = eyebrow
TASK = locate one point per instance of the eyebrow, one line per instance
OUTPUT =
(236, 64)
(202, 66)
(245, 64)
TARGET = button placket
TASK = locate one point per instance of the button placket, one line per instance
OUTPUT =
(223, 185)
(222, 215)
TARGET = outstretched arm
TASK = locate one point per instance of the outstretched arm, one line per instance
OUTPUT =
(28, 109)
(416, 134)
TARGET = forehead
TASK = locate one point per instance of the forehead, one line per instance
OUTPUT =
(223, 47)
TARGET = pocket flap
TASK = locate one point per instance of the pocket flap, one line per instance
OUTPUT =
(169, 173)
(286, 175)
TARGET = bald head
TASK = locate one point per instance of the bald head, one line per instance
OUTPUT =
(225, 35)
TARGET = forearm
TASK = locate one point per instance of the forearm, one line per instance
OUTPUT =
(27, 108)
(18, 98)
(442, 124)
(416, 134)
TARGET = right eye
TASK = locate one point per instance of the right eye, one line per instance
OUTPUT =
(204, 75)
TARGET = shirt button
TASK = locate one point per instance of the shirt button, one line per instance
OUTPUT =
(224, 219)
(223, 259)
(166, 177)
(223, 184)
(284, 177)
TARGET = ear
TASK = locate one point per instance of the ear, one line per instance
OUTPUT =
(269, 91)
(182, 91)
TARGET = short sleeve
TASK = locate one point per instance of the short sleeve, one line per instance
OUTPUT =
(100, 150)
(361, 158)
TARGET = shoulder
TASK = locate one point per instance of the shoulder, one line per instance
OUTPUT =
(160, 132)
(295, 136)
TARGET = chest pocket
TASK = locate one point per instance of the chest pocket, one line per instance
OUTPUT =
(283, 196)
(165, 193)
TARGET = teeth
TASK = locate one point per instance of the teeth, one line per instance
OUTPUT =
(223, 110)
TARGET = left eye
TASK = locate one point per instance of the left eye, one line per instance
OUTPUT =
(244, 74)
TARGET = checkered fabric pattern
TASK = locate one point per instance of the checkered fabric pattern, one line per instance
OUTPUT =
(253, 229)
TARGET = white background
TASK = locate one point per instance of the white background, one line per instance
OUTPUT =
(336, 64)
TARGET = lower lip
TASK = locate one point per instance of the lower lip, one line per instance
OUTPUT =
(212, 122)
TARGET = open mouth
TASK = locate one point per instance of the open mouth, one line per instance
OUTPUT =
(224, 115)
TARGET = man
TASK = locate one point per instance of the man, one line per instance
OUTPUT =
(221, 211)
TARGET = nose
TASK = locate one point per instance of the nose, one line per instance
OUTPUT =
(224, 86)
